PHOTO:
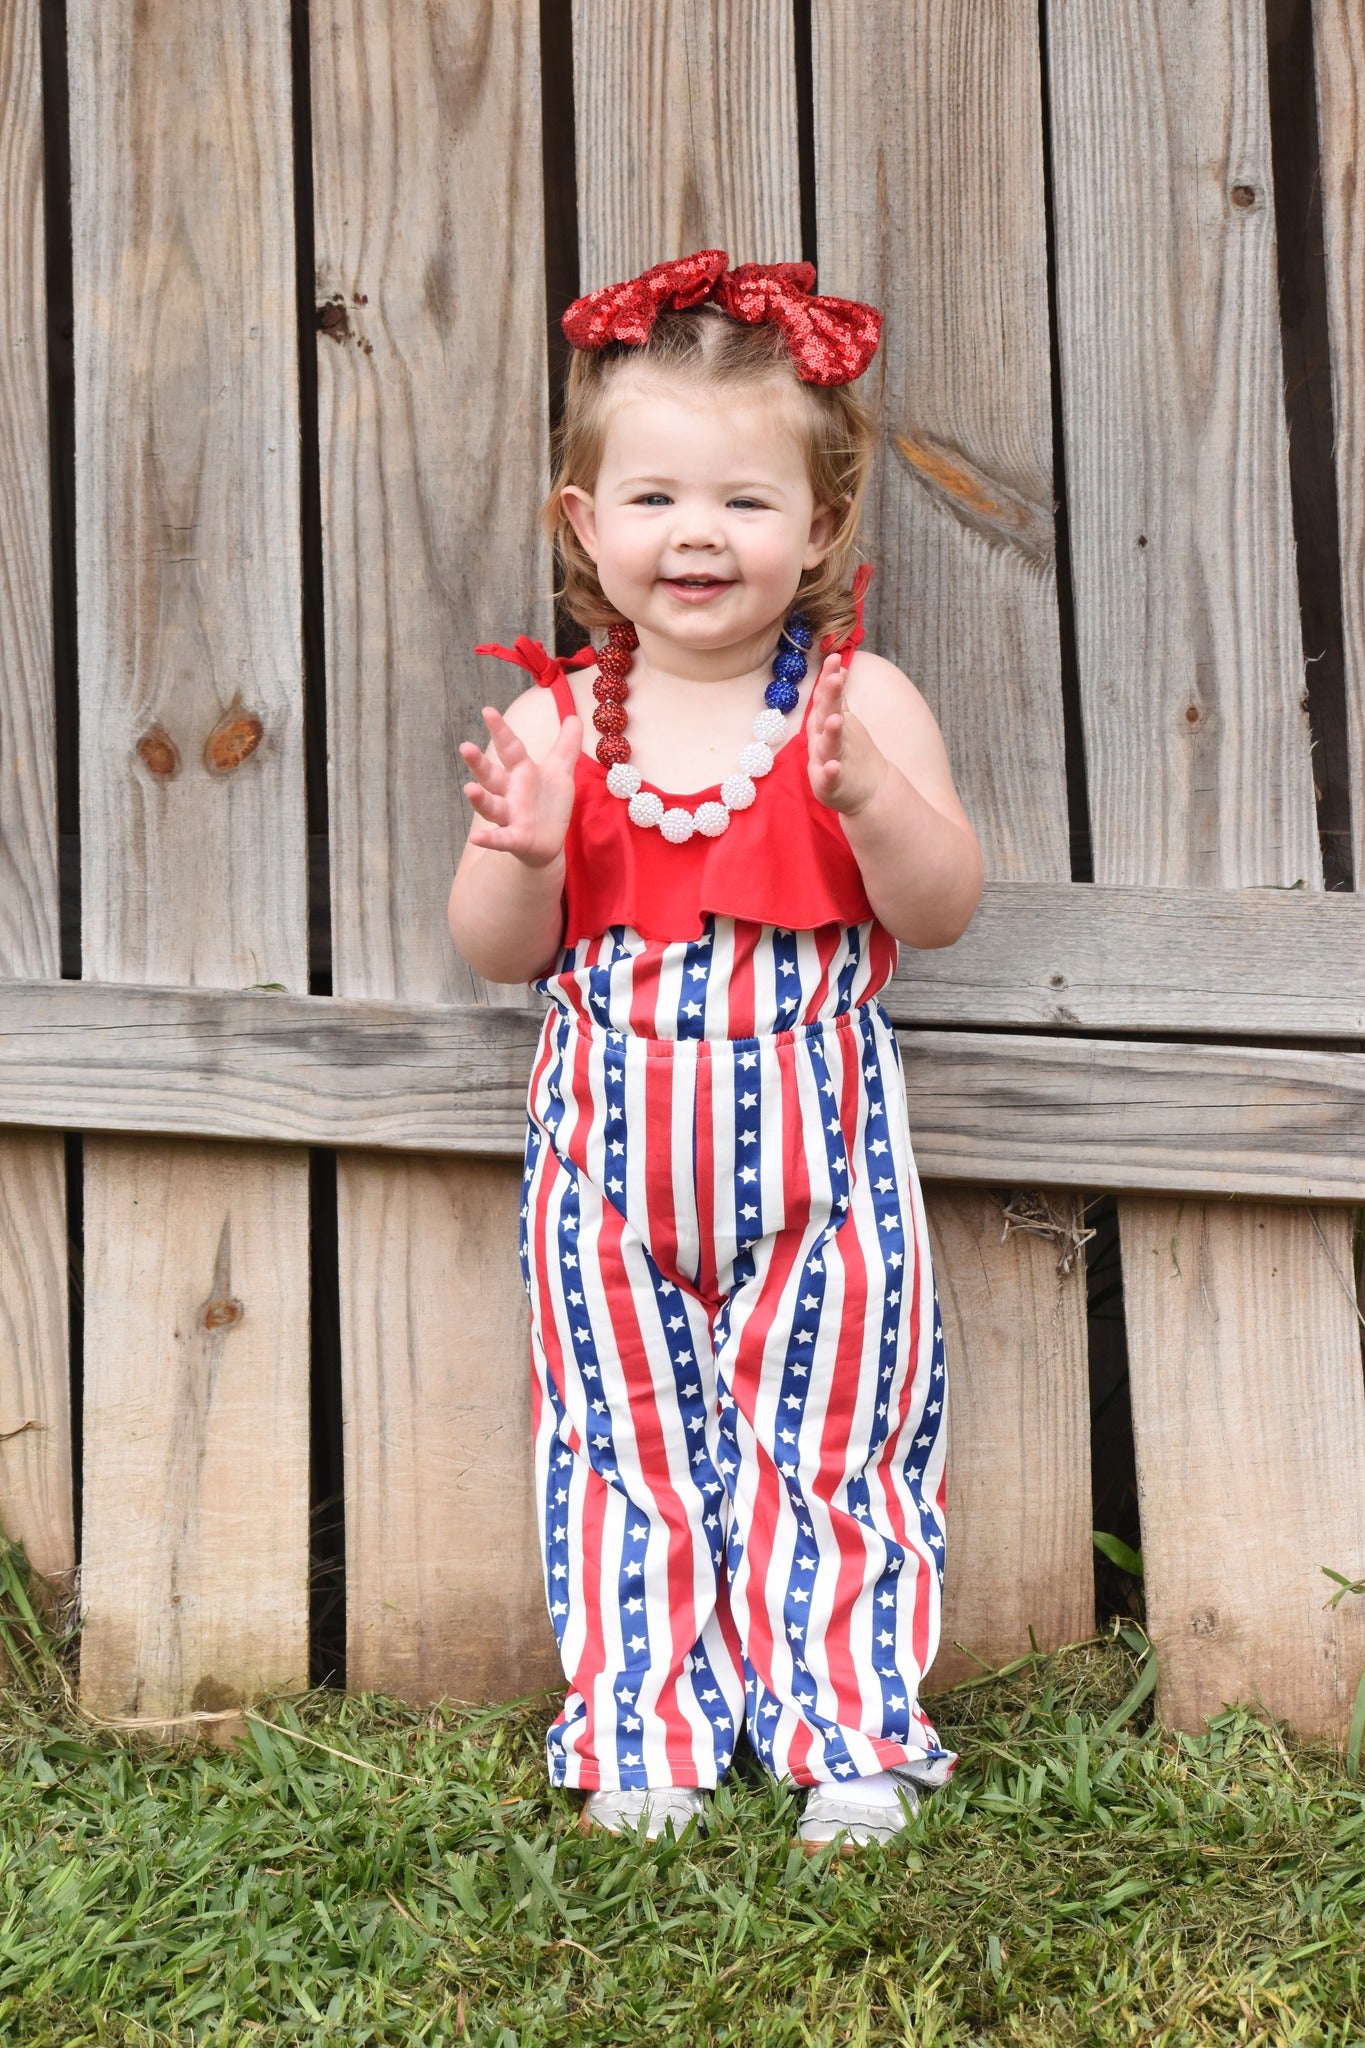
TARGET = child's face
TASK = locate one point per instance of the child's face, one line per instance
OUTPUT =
(703, 517)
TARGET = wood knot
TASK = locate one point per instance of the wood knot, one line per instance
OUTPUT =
(221, 1311)
(334, 319)
(1204, 1622)
(1191, 714)
(1244, 197)
(233, 740)
(157, 752)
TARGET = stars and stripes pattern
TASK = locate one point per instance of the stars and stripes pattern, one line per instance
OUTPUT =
(738, 1385)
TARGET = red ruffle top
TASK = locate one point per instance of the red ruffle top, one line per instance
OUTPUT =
(785, 861)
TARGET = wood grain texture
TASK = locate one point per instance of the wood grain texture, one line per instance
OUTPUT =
(464, 1600)
(685, 133)
(984, 1106)
(1021, 1317)
(1191, 662)
(930, 203)
(1339, 52)
(1242, 1447)
(432, 408)
(1197, 743)
(1258, 962)
(929, 181)
(192, 827)
(35, 1418)
(195, 1575)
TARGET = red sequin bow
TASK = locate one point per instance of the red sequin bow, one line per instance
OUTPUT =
(830, 341)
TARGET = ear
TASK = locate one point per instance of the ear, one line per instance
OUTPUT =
(581, 513)
(821, 538)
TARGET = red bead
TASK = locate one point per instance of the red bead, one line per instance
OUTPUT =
(616, 665)
(610, 718)
(610, 690)
(610, 751)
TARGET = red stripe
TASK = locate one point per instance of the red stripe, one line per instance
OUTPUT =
(705, 1175)
(845, 1380)
(646, 1424)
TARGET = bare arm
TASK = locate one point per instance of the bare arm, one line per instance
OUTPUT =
(877, 757)
(506, 911)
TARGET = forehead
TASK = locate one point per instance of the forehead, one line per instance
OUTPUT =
(698, 428)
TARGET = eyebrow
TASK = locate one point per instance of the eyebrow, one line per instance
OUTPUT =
(671, 483)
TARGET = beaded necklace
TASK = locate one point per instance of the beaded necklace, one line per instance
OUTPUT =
(676, 823)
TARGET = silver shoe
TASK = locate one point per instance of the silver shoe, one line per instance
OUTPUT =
(831, 1814)
(654, 1806)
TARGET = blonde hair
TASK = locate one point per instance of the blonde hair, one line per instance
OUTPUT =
(707, 346)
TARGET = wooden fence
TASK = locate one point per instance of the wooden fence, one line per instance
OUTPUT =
(315, 256)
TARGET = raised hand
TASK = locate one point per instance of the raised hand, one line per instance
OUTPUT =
(846, 765)
(523, 805)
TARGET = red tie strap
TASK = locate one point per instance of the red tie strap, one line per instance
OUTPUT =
(830, 341)
(530, 655)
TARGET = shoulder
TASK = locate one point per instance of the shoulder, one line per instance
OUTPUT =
(534, 718)
(885, 701)
(880, 694)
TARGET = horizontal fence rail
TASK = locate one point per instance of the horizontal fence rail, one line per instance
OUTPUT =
(423, 1077)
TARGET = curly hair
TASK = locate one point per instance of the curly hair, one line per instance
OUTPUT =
(708, 347)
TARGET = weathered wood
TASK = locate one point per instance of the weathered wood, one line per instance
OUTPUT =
(432, 410)
(1197, 739)
(685, 132)
(428, 1078)
(195, 1576)
(1339, 53)
(1019, 1336)
(192, 822)
(930, 202)
(1244, 1435)
(35, 1418)
(454, 1527)
(1254, 962)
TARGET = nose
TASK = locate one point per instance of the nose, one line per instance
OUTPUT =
(697, 528)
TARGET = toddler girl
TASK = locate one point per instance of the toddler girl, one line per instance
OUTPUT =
(738, 1372)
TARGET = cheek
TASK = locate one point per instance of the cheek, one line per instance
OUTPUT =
(625, 547)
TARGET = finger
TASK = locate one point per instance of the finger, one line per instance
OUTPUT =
(511, 752)
(494, 808)
(568, 741)
(486, 767)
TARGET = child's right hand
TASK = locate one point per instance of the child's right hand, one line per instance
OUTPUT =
(524, 804)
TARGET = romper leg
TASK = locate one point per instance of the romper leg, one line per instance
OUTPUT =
(833, 1398)
(631, 1508)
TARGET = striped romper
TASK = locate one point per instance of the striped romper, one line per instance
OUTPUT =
(738, 1378)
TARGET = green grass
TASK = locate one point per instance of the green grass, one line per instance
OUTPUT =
(1084, 1879)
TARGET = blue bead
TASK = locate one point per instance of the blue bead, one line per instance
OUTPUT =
(781, 696)
(798, 630)
(789, 666)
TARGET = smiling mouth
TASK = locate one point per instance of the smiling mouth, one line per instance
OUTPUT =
(697, 582)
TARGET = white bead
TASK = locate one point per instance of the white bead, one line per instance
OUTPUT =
(711, 820)
(646, 808)
(737, 792)
(622, 779)
(676, 825)
(755, 759)
(769, 726)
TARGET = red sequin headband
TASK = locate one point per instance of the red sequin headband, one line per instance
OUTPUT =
(830, 341)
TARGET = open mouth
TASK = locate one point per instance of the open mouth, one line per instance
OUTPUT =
(695, 587)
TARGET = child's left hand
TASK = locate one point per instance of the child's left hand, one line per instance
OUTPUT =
(846, 764)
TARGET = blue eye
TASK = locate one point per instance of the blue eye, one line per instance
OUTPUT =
(653, 498)
(748, 504)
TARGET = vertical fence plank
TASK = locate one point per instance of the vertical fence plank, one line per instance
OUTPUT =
(194, 1576)
(685, 126)
(1339, 48)
(35, 1422)
(1241, 1341)
(432, 418)
(930, 203)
